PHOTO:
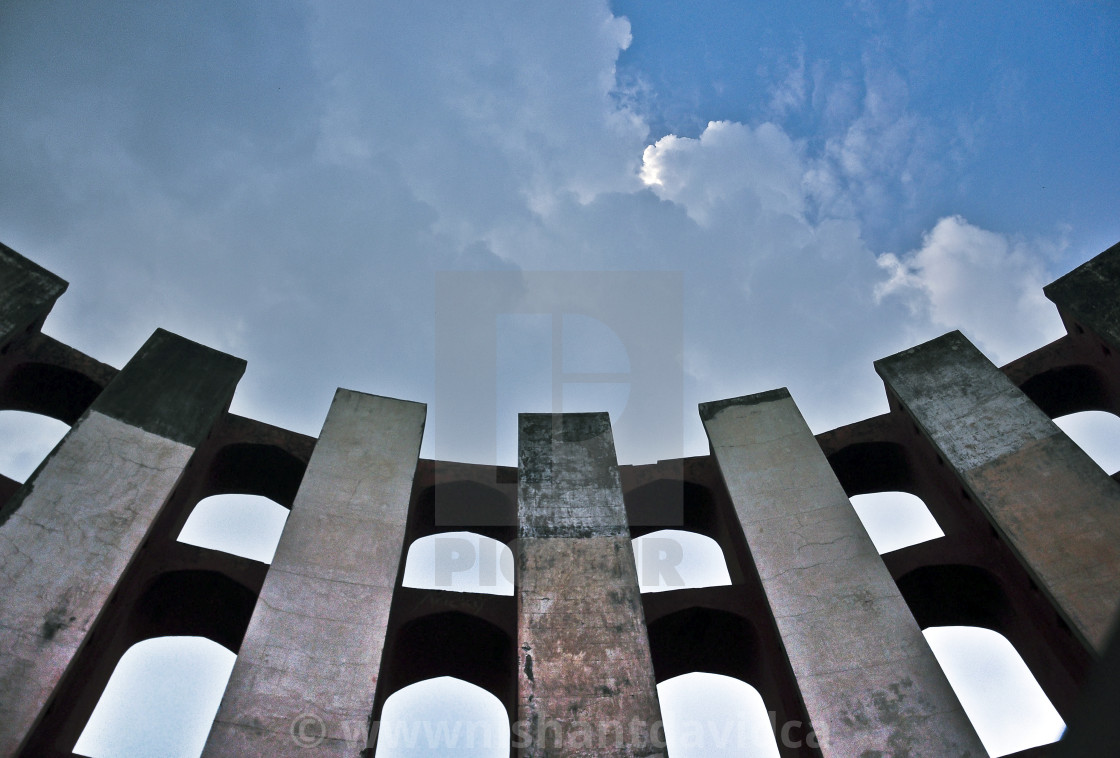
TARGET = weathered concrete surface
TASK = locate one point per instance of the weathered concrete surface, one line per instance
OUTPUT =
(1051, 503)
(307, 670)
(81, 517)
(585, 677)
(870, 683)
(27, 293)
(1090, 294)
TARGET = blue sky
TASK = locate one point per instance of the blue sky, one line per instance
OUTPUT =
(835, 182)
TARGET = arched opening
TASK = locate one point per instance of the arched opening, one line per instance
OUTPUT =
(671, 559)
(895, 520)
(1068, 389)
(160, 700)
(1098, 434)
(450, 643)
(443, 715)
(256, 469)
(955, 595)
(669, 503)
(865, 467)
(246, 525)
(1001, 697)
(464, 505)
(459, 562)
(194, 602)
(27, 438)
(708, 715)
(60, 393)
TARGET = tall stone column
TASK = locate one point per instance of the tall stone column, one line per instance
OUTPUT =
(307, 669)
(869, 681)
(585, 676)
(73, 527)
(1056, 509)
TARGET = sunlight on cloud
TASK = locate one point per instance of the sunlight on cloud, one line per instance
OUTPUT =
(981, 282)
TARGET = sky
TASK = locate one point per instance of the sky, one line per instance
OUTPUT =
(824, 184)
(834, 182)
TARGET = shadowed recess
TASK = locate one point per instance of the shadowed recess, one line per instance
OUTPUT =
(60, 393)
(704, 639)
(1066, 390)
(955, 595)
(247, 468)
(194, 603)
(449, 644)
(866, 467)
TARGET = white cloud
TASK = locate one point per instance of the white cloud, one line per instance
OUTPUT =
(985, 284)
(729, 168)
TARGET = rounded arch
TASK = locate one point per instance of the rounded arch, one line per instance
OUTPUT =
(467, 505)
(895, 520)
(26, 439)
(194, 603)
(672, 559)
(49, 390)
(956, 595)
(1097, 433)
(704, 639)
(251, 468)
(1069, 389)
(451, 643)
(711, 714)
(866, 467)
(439, 715)
(999, 694)
(246, 525)
(459, 562)
(160, 700)
(671, 503)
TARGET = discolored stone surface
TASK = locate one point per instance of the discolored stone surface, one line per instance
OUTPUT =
(869, 681)
(74, 526)
(1090, 294)
(27, 293)
(585, 677)
(307, 669)
(1056, 508)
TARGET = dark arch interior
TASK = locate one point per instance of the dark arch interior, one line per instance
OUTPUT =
(450, 643)
(865, 467)
(194, 603)
(255, 469)
(60, 393)
(671, 504)
(956, 595)
(704, 639)
(1069, 389)
(464, 506)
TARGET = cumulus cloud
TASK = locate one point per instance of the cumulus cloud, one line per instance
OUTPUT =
(731, 167)
(296, 219)
(985, 284)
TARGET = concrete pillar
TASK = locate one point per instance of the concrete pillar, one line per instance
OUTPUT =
(27, 293)
(73, 527)
(869, 681)
(585, 677)
(1053, 506)
(307, 669)
(1090, 296)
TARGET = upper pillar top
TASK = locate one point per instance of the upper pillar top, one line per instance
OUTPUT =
(1090, 294)
(172, 387)
(27, 292)
(568, 481)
